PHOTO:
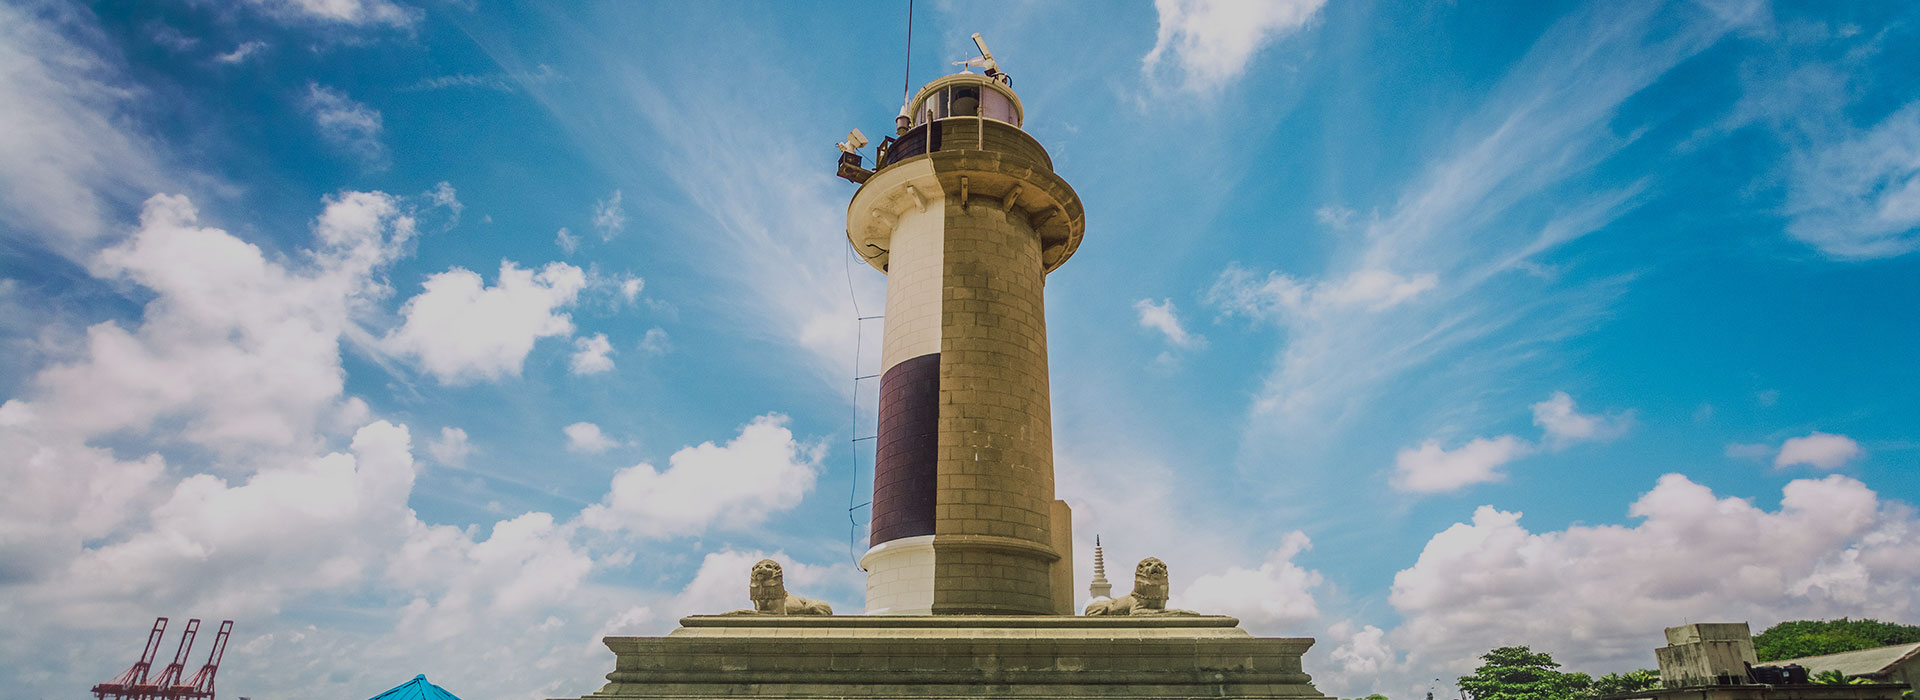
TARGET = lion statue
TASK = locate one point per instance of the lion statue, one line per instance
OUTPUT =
(768, 589)
(1149, 596)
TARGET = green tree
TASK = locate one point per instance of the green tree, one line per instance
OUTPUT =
(1629, 682)
(1798, 638)
(1835, 677)
(1517, 673)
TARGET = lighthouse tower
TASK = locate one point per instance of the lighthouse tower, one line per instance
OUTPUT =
(964, 214)
(969, 584)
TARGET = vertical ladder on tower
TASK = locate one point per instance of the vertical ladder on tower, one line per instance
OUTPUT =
(201, 684)
(122, 686)
(171, 676)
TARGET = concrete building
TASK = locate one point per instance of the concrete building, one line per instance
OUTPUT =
(1714, 661)
(1899, 663)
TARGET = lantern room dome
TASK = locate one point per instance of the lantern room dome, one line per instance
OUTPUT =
(966, 95)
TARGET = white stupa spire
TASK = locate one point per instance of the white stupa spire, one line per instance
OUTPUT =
(1100, 588)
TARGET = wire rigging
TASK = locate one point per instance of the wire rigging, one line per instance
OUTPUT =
(859, 338)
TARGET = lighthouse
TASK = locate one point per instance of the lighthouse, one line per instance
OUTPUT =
(964, 214)
(969, 578)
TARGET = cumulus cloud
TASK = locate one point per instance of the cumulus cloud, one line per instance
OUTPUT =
(1817, 449)
(463, 331)
(1431, 468)
(240, 349)
(586, 437)
(762, 471)
(352, 127)
(286, 530)
(1162, 317)
(1275, 597)
(609, 218)
(452, 448)
(1362, 660)
(630, 288)
(1564, 425)
(590, 355)
(525, 564)
(568, 242)
(342, 12)
(1208, 43)
(1595, 596)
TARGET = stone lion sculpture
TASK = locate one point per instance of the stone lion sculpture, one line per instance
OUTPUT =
(1149, 596)
(768, 588)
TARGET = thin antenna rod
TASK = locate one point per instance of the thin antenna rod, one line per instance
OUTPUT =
(906, 81)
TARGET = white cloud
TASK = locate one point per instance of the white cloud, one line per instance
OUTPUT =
(655, 342)
(750, 187)
(586, 437)
(242, 52)
(1858, 196)
(1817, 449)
(242, 350)
(1210, 42)
(1477, 217)
(75, 158)
(1363, 662)
(761, 472)
(347, 12)
(1283, 298)
(1596, 596)
(349, 126)
(462, 330)
(1431, 468)
(609, 218)
(526, 564)
(630, 288)
(566, 240)
(452, 448)
(1162, 317)
(287, 530)
(1334, 216)
(590, 355)
(1275, 597)
(1749, 450)
(1564, 425)
(233, 367)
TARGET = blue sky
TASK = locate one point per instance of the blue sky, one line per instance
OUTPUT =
(447, 338)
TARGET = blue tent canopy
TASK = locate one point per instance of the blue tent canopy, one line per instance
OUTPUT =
(416, 689)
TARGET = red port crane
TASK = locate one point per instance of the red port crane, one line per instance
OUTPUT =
(201, 684)
(121, 687)
(133, 684)
(170, 677)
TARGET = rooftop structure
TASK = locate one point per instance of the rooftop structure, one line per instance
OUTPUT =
(416, 689)
(1899, 663)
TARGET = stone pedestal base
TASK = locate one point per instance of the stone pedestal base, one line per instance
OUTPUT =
(957, 657)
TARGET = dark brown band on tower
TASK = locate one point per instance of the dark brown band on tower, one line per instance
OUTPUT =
(904, 473)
